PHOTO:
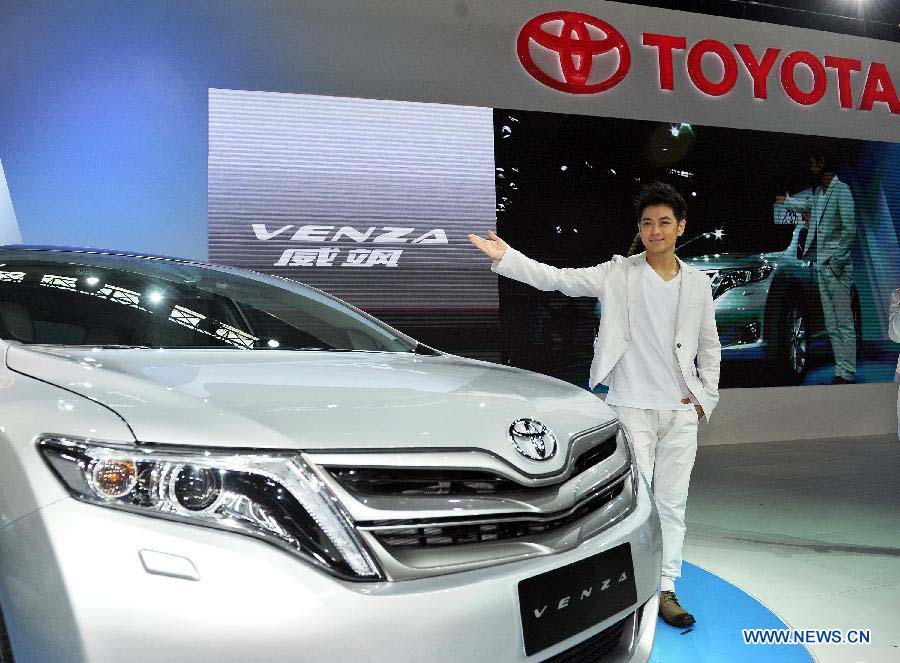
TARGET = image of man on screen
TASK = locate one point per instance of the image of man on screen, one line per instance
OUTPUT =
(657, 349)
(829, 245)
(894, 334)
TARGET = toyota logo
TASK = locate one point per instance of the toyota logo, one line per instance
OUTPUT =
(532, 439)
(575, 41)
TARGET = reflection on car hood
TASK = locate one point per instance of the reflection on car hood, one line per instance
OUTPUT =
(313, 400)
(729, 260)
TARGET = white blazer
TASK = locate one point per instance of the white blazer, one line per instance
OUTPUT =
(617, 285)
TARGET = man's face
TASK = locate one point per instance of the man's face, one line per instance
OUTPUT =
(659, 229)
(816, 166)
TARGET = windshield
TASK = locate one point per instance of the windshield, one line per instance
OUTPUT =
(739, 239)
(109, 301)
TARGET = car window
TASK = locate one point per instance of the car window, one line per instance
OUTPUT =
(164, 304)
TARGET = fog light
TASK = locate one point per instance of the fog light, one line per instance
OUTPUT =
(112, 479)
(750, 334)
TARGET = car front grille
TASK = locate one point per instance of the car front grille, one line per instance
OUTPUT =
(420, 482)
(592, 649)
(460, 533)
(373, 481)
(428, 512)
(594, 456)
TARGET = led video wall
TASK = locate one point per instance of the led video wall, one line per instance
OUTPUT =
(790, 278)
(373, 200)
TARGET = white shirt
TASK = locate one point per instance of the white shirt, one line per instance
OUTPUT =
(647, 376)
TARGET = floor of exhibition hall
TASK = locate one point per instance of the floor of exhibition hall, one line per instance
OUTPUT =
(799, 535)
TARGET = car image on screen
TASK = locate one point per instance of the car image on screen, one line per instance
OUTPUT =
(202, 463)
(768, 309)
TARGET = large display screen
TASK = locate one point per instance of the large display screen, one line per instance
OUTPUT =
(372, 201)
(369, 200)
(572, 206)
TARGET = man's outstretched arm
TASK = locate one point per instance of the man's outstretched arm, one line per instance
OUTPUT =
(575, 282)
(791, 204)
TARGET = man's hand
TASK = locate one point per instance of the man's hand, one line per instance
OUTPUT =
(697, 407)
(493, 247)
(780, 199)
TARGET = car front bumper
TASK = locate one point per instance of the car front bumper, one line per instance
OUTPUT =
(74, 588)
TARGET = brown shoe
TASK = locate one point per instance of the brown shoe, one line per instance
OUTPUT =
(672, 612)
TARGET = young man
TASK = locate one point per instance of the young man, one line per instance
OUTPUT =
(829, 243)
(657, 319)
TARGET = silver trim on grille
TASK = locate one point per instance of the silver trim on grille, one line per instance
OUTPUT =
(536, 497)
(467, 457)
(402, 563)
(500, 519)
(542, 499)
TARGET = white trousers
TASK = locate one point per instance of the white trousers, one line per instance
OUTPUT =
(836, 293)
(665, 443)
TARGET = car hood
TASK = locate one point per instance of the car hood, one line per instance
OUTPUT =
(713, 262)
(313, 400)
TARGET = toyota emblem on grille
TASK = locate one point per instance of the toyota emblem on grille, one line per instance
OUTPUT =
(532, 439)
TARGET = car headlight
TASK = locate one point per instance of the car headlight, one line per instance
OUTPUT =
(727, 279)
(276, 497)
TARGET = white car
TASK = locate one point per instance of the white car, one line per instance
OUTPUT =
(199, 463)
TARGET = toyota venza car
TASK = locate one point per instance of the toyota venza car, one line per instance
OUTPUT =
(200, 463)
(768, 307)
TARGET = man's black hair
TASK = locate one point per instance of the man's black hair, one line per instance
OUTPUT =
(829, 155)
(660, 193)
